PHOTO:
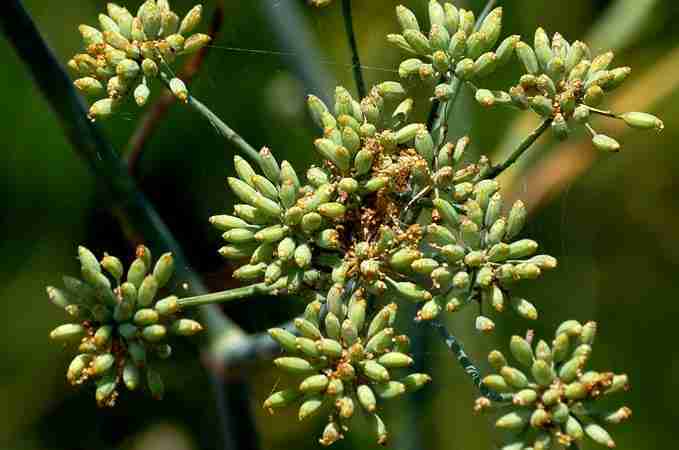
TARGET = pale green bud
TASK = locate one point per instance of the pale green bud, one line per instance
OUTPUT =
(642, 121)
(521, 350)
(179, 89)
(527, 57)
(406, 18)
(194, 43)
(605, 143)
(191, 20)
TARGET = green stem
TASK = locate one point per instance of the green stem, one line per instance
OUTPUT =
(523, 146)
(223, 129)
(467, 364)
(355, 59)
(225, 296)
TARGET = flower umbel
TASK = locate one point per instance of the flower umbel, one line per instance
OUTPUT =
(118, 326)
(344, 360)
(126, 53)
(553, 399)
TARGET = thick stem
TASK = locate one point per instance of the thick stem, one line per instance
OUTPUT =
(225, 296)
(355, 59)
(521, 149)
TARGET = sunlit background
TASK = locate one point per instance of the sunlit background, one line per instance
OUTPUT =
(612, 220)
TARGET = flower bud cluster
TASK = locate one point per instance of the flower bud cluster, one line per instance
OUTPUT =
(565, 83)
(127, 52)
(552, 400)
(344, 361)
(453, 46)
(117, 323)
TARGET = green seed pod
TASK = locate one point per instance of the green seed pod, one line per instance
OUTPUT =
(366, 398)
(560, 127)
(439, 38)
(594, 96)
(569, 370)
(484, 65)
(516, 220)
(424, 266)
(102, 363)
(543, 50)
(498, 361)
(561, 347)
(70, 332)
(642, 121)
(193, 43)
(154, 333)
(525, 397)
(380, 321)
(524, 308)
(375, 371)
(618, 416)
(265, 187)
(89, 86)
(522, 351)
(106, 394)
(410, 291)
(284, 338)
(314, 384)
(522, 248)
(147, 291)
(496, 383)
(573, 428)
(543, 352)
(560, 413)
(599, 435)
(485, 97)
(146, 316)
(588, 334)
(418, 41)
(250, 271)
(572, 328)
(484, 324)
(191, 20)
(424, 144)
(406, 18)
(514, 377)
(542, 106)
(380, 342)
(245, 173)
(310, 407)
(543, 372)
(307, 328)
(464, 70)
(619, 75)
(281, 399)
(77, 368)
(514, 420)
(492, 26)
(389, 390)
(539, 418)
(390, 90)
(505, 50)
(499, 252)
(605, 143)
(527, 57)
(294, 365)
(363, 161)
(90, 35)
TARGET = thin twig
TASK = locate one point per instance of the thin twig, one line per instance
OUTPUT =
(467, 364)
(523, 146)
(225, 296)
(227, 132)
(355, 59)
(155, 114)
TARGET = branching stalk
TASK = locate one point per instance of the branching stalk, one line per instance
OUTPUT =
(521, 149)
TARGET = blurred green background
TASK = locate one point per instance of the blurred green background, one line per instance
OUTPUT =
(614, 226)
